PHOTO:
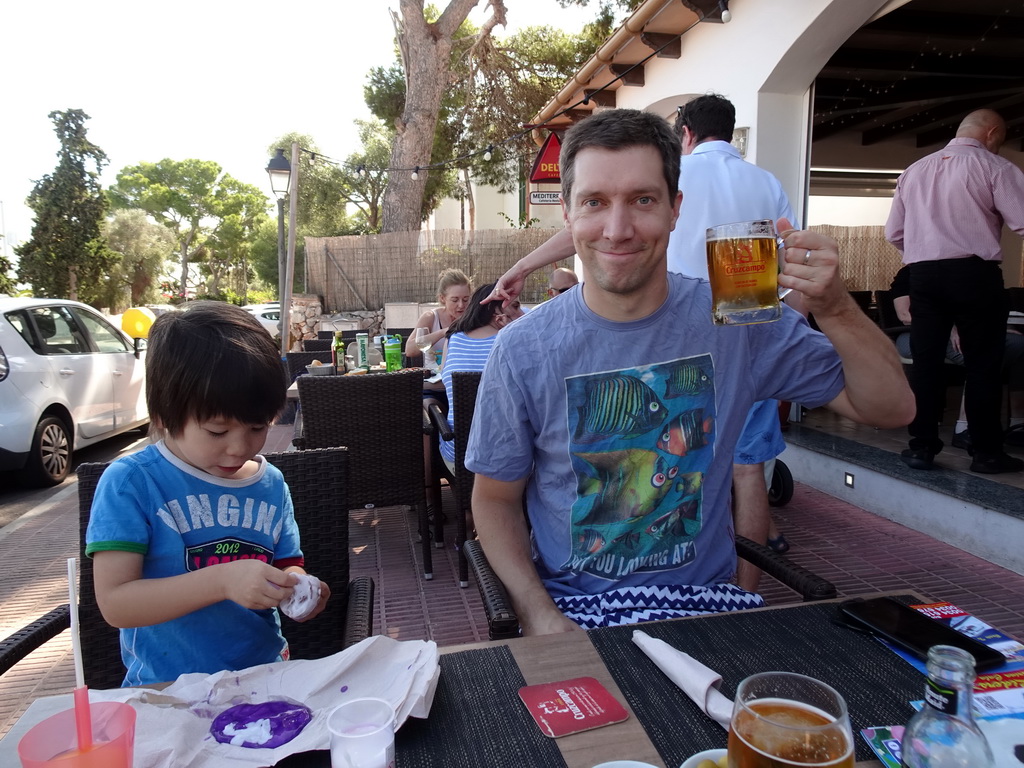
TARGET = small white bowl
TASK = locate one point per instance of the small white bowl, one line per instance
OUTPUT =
(320, 370)
(624, 764)
(708, 754)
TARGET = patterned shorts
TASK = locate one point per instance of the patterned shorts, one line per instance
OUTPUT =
(631, 605)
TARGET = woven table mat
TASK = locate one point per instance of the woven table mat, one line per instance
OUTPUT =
(477, 718)
(876, 683)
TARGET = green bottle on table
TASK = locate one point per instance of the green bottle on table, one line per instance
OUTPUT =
(338, 353)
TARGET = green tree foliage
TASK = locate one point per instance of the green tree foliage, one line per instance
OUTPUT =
(206, 210)
(512, 79)
(608, 11)
(7, 282)
(492, 87)
(144, 251)
(320, 210)
(66, 255)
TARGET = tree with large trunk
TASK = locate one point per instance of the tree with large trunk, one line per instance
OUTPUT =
(426, 48)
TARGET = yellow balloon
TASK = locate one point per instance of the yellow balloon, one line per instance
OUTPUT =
(136, 322)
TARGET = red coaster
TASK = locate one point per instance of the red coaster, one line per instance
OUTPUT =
(571, 706)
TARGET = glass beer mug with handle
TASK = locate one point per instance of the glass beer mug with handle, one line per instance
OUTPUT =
(785, 719)
(743, 268)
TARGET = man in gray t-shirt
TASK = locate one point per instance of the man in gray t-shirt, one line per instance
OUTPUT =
(623, 440)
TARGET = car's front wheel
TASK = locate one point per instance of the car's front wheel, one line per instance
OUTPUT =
(50, 460)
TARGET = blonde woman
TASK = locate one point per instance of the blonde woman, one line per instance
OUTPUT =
(453, 291)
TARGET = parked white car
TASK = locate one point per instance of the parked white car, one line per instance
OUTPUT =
(269, 316)
(68, 379)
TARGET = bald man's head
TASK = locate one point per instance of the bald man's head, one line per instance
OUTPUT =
(985, 125)
(562, 280)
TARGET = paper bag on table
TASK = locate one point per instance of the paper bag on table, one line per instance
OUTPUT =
(696, 680)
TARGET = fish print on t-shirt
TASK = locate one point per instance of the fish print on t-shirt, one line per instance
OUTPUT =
(641, 441)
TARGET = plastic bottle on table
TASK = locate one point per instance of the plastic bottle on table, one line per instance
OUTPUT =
(944, 734)
(363, 351)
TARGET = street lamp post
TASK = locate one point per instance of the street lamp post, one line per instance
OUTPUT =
(280, 172)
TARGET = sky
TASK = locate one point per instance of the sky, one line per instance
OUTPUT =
(208, 79)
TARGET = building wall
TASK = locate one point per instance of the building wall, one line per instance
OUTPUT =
(764, 61)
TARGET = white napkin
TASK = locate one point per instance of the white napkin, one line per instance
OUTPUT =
(304, 597)
(696, 681)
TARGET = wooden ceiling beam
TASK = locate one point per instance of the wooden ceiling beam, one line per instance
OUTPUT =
(601, 98)
(666, 46)
(628, 74)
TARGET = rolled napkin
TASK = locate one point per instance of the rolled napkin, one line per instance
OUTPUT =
(696, 681)
(303, 599)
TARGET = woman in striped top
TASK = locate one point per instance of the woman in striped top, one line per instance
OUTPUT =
(469, 342)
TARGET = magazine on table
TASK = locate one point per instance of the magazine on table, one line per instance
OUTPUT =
(998, 696)
(995, 693)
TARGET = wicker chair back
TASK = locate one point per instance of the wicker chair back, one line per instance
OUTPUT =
(380, 418)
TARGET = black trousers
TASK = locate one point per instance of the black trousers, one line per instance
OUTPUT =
(969, 294)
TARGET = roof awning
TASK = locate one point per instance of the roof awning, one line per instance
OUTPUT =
(654, 29)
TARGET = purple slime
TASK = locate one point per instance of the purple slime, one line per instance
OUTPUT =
(287, 719)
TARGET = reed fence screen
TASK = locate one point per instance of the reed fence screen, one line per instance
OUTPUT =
(364, 272)
(367, 271)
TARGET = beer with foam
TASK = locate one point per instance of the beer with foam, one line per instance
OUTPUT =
(743, 267)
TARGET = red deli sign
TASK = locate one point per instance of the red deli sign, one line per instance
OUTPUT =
(545, 167)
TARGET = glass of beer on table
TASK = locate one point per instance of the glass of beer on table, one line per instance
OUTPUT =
(743, 267)
(785, 719)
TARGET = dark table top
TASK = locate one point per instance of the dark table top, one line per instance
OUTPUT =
(478, 717)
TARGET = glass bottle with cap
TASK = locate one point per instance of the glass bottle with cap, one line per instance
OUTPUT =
(338, 353)
(944, 733)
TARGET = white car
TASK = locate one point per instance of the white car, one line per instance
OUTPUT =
(269, 316)
(68, 379)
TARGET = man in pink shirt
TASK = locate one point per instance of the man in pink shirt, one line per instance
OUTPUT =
(946, 219)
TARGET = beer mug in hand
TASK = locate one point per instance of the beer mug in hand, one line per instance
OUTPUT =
(743, 267)
(785, 719)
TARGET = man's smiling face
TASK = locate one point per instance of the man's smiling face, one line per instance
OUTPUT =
(620, 215)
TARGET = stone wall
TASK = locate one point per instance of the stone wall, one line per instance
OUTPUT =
(304, 320)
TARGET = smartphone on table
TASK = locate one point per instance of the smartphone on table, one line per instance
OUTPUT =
(911, 630)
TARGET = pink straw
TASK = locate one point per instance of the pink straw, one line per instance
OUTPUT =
(83, 714)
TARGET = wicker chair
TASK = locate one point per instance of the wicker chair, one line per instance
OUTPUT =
(380, 418)
(464, 387)
(502, 621)
(317, 345)
(317, 480)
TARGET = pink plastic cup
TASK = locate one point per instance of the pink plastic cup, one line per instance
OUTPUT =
(53, 743)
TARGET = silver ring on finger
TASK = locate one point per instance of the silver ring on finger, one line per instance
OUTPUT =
(807, 258)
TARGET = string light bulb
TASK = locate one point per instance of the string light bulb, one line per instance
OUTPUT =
(726, 14)
(416, 173)
(489, 152)
(360, 170)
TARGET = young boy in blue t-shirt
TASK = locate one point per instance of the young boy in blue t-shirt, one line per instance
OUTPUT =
(193, 538)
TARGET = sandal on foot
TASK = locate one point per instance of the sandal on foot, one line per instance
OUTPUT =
(778, 544)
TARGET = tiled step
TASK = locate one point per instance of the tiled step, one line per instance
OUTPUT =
(965, 510)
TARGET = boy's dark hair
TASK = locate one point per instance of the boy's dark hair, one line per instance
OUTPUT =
(708, 117)
(212, 359)
(477, 315)
(620, 129)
